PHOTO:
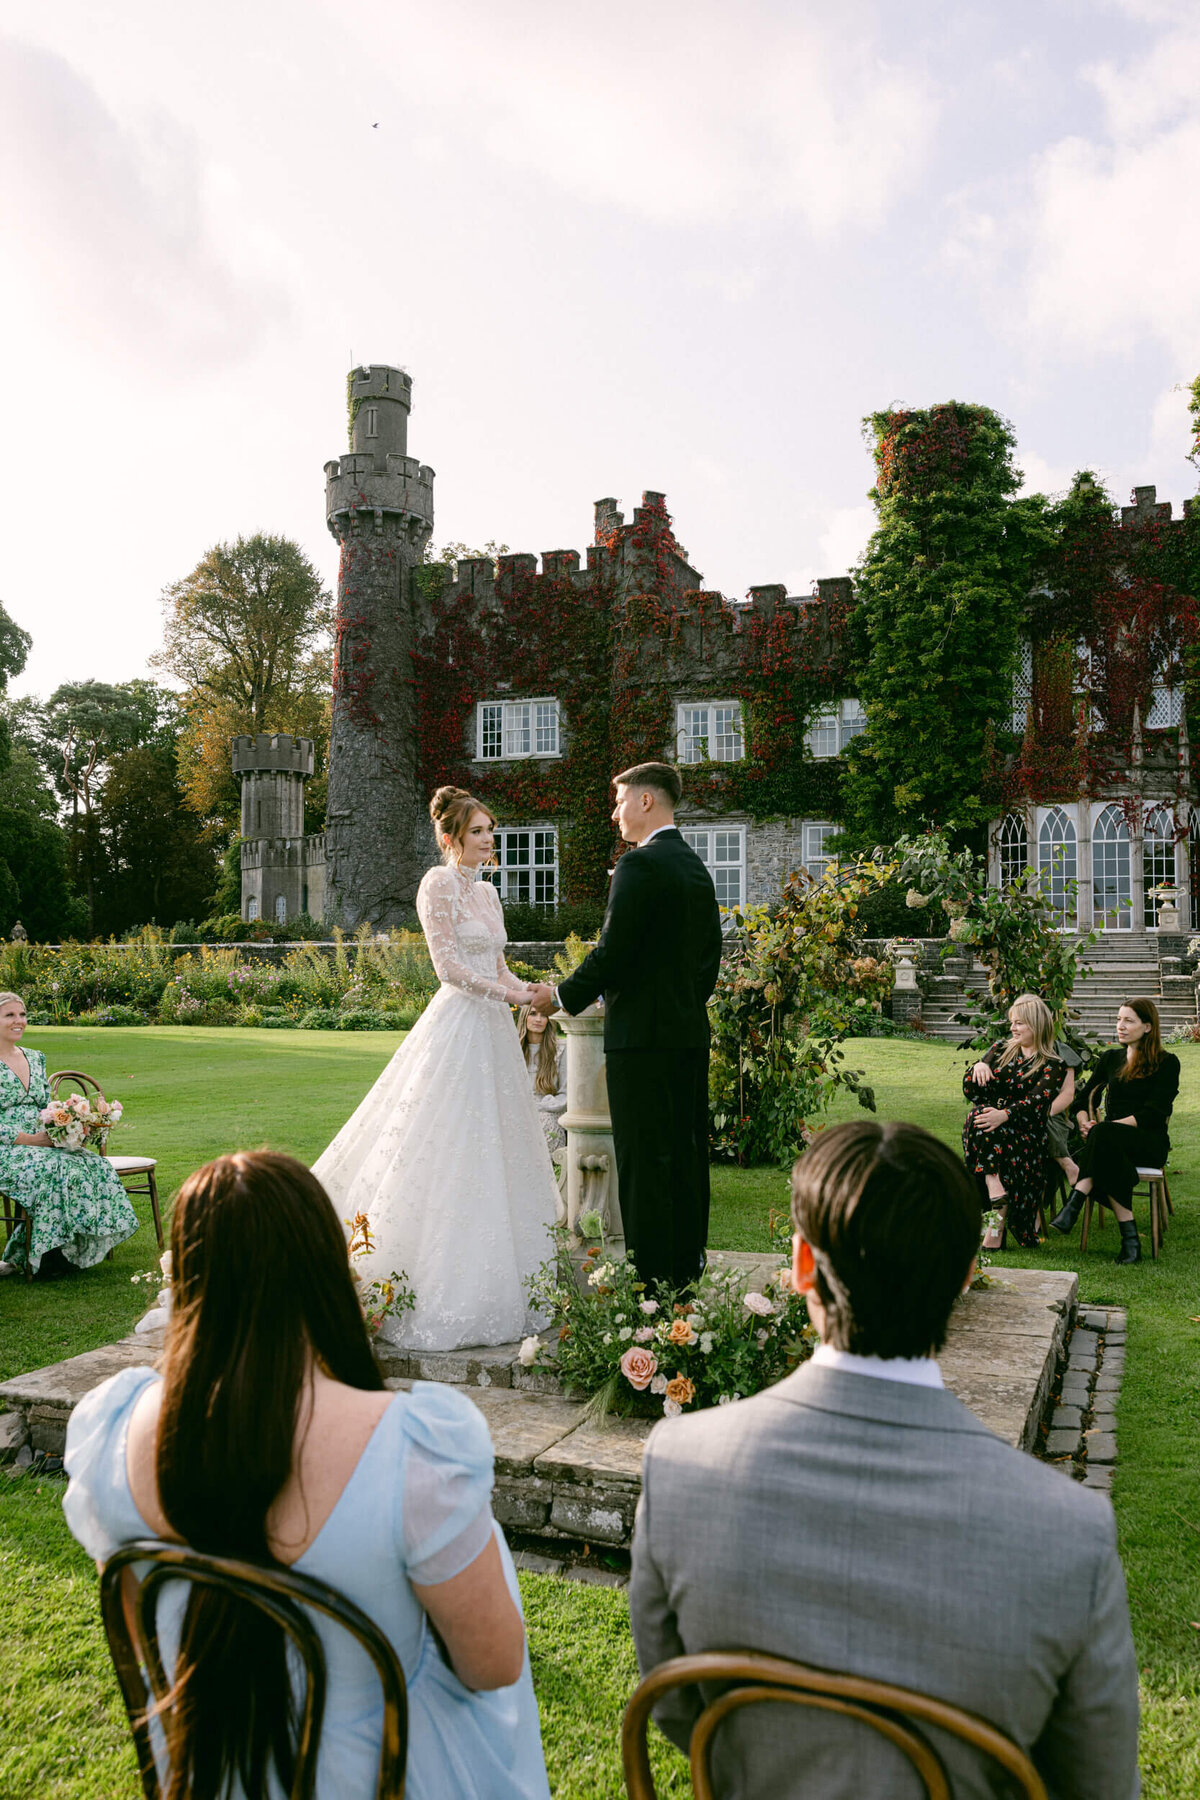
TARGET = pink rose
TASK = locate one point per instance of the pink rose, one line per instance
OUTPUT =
(758, 1303)
(644, 1334)
(638, 1366)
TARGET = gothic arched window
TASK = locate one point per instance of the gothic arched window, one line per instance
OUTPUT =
(1158, 859)
(1057, 866)
(1012, 841)
(1111, 885)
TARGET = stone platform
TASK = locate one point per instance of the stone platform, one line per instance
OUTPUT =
(558, 1475)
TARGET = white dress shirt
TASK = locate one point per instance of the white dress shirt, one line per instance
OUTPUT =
(918, 1371)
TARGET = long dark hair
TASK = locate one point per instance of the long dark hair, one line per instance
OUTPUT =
(260, 1283)
(1148, 1051)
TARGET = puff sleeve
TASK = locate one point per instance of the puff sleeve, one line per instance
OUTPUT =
(98, 1507)
(445, 1515)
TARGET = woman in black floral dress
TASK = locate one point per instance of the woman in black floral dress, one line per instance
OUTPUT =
(1004, 1138)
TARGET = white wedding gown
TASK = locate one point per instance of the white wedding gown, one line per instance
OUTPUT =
(446, 1154)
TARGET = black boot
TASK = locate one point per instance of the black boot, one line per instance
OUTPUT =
(1131, 1243)
(1065, 1220)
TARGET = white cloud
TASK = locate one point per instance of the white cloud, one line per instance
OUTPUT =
(841, 546)
(110, 222)
(684, 112)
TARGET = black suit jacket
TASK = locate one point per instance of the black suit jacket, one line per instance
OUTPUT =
(659, 951)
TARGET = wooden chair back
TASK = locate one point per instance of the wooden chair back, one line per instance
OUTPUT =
(88, 1083)
(283, 1596)
(748, 1678)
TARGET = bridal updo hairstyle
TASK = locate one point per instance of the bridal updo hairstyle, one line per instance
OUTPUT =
(260, 1282)
(452, 810)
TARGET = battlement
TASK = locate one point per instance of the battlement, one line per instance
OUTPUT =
(362, 486)
(272, 753)
(375, 381)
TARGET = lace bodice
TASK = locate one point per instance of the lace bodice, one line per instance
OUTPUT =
(463, 922)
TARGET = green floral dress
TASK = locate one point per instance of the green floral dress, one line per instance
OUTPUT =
(77, 1203)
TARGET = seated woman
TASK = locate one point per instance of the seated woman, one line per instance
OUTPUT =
(1139, 1081)
(269, 1437)
(79, 1209)
(546, 1059)
(1004, 1137)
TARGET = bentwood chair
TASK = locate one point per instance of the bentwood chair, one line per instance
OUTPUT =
(1158, 1193)
(284, 1596)
(747, 1678)
(135, 1173)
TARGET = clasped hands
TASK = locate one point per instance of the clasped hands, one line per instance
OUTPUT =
(543, 999)
(988, 1118)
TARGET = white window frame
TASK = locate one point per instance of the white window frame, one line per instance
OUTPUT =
(830, 731)
(816, 834)
(1012, 843)
(1022, 690)
(281, 909)
(518, 730)
(526, 868)
(717, 724)
(1165, 708)
(722, 850)
(252, 910)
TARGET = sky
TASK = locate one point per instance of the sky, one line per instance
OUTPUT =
(686, 246)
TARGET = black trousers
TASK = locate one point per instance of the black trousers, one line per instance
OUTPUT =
(659, 1105)
(1111, 1154)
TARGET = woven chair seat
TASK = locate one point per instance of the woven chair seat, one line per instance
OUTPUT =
(132, 1165)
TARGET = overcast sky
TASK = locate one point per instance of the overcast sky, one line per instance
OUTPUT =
(681, 245)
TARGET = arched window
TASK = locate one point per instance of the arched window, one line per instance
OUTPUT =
(1057, 862)
(281, 909)
(1012, 841)
(1194, 863)
(1158, 859)
(1111, 888)
(252, 909)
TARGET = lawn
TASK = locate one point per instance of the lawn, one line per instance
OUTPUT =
(191, 1094)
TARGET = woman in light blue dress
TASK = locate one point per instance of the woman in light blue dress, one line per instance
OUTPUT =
(269, 1437)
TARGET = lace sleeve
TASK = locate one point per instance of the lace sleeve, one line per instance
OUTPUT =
(435, 909)
(515, 990)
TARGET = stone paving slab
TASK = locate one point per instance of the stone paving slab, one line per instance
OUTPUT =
(559, 1475)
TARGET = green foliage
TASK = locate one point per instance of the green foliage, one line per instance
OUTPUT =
(546, 924)
(721, 1345)
(1014, 932)
(775, 1015)
(940, 598)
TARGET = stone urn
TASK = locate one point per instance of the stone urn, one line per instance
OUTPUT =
(591, 1160)
(906, 976)
(1168, 911)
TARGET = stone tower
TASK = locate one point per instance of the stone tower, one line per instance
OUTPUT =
(282, 870)
(379, 506)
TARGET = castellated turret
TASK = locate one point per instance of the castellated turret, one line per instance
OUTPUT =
(379, 505)
(282, 870)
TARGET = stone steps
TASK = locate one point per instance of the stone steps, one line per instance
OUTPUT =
(559, 1475)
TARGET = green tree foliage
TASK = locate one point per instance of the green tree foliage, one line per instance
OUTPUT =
(247, 634)
(34, 883)
(940, 599)
(14, 649)
(158, 865)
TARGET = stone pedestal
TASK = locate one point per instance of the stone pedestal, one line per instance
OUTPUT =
(591, 1160)
(906, 994)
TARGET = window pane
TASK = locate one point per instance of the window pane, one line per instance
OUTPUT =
(699, 843)
(854, 721)
(491, 730)
(516, 849)
(728, 883)
(693, 731)
(728, 846)
(546, 728)
(823, 735)
(517, 728)
(727, 734)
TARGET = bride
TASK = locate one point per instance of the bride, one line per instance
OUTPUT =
(446, 1155)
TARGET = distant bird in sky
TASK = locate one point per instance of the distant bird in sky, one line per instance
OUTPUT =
(375, 126)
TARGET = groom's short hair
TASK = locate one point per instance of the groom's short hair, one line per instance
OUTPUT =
(660, 777)
(892, 1218)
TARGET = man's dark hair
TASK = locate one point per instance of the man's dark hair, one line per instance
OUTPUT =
(664, 780)
(892, 1218)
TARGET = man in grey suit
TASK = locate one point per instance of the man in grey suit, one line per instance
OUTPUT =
(856, 1516)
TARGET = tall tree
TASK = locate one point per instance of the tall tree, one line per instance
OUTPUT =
(940, 598)
(247, 633)
(159, 867)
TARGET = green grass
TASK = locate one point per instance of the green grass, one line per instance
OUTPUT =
(191, 1094)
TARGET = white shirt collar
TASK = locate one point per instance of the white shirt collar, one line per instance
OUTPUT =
(647, 840)
(917, 1371)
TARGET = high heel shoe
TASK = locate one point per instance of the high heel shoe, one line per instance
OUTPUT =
(1065, 1220)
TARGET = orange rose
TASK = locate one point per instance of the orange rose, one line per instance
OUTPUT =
(681, 1332)
(681, 1390)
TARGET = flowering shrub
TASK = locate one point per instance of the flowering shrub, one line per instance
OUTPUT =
(628, 1352)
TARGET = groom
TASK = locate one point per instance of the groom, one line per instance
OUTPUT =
(656, 964)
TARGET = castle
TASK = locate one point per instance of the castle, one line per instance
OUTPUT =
(531, 684)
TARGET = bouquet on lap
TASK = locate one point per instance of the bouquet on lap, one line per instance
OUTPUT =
(78, 1123)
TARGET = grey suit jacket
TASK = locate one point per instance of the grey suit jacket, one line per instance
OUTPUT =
(878, 1528)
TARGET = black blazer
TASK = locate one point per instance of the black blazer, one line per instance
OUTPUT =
(1148, 1100)
(659, 951)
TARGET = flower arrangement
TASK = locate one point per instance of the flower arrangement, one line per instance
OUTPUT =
(387, 1297)
(78, 1123)
(628, 1351)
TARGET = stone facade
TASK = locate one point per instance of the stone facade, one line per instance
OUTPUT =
(283, 871)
